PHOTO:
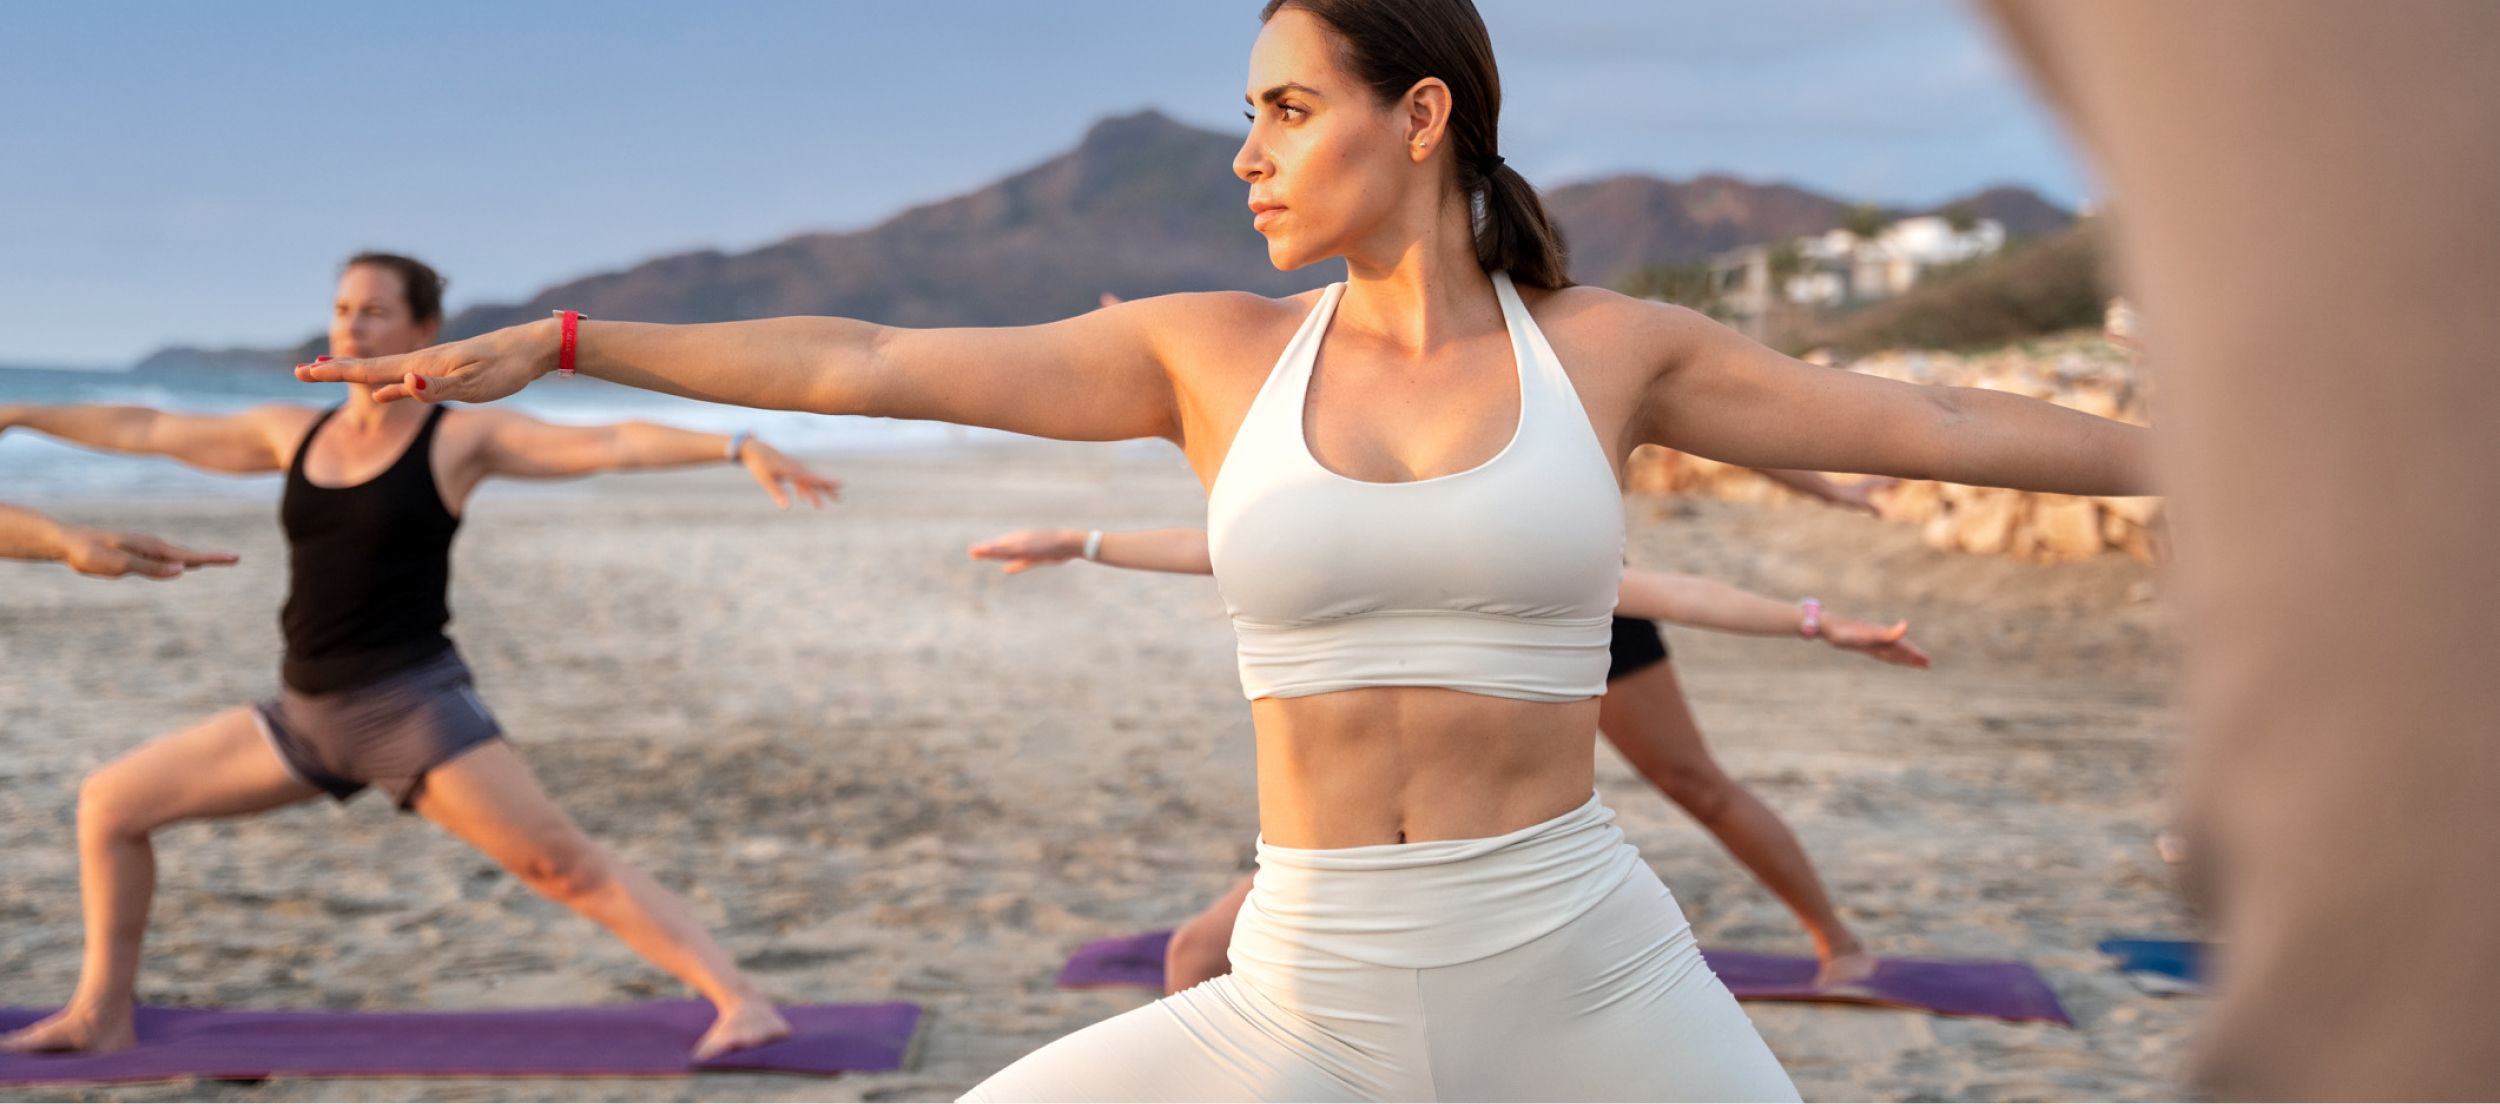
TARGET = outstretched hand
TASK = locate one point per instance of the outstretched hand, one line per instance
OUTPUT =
(481, 369)
(1885, 644)
(783, 477)
(110, 555)
(1026, 549)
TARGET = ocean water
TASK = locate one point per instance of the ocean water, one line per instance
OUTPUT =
(34, 467)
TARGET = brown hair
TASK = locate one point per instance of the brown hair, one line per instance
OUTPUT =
(1392, 44)
(423, 285)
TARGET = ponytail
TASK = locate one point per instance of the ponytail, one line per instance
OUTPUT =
(1515, 235)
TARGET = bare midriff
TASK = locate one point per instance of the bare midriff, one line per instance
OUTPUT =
(1409, 764)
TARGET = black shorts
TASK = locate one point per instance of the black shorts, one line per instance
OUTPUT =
(1637, 648)
(387, 732)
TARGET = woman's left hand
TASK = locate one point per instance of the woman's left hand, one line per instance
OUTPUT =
(1877, 642)
(1026, 549)
(776, 471)
(479, 369)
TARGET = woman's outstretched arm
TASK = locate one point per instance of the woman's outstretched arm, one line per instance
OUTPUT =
(1179, 551)
(241, 443)
(1651, 595)
(522, 447)
(1711, 604)
(1721, 395)
(1097, 377)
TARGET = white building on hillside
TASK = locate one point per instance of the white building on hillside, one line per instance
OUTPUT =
(1838, 268)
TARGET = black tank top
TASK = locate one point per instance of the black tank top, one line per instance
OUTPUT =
(368, 569)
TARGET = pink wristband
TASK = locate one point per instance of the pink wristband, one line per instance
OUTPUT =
(1813, 626)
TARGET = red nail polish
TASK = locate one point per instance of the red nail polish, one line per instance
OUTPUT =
(319, 359)
(420, 383)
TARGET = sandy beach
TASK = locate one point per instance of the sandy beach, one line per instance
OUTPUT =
(884, 772)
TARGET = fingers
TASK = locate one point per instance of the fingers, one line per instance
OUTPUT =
(1015, 557)
(373, 370)
(390, 377)
(152, 567)
(154, 549)
(1902, 654)
(819, 490)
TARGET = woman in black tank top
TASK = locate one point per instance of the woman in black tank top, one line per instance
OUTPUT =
(347, 627)
(372, 691)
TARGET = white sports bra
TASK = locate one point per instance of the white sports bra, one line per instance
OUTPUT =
(1496, 580)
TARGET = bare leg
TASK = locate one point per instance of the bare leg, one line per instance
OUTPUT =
(221, 767)
(489, 798)
(1199, 948)
(2305, 209)
(1645, 716)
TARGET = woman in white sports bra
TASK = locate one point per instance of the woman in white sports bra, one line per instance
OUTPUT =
(1413, 497)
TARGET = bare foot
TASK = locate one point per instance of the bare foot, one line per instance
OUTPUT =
(749, 1023)
(1845, 970)
(73, 1029)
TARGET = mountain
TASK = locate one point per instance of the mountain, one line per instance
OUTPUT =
(2023, 212)
(1143, 205)
(1620, 225)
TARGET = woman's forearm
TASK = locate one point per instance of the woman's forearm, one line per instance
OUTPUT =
(27, 535)
(1179, 551)
(817, 364)
(1993, 439)
(645, 445)
(1705, 604)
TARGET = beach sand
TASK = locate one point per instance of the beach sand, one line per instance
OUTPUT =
(882, 771)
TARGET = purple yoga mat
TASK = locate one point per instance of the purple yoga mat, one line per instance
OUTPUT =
(2002, 990)
(1953, 987)
(639, 1040)
(1127, 962)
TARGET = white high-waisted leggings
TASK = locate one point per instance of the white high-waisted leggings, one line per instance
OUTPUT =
(1546, 964)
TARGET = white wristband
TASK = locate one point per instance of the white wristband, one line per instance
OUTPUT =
(738, 444)
(1093, 546)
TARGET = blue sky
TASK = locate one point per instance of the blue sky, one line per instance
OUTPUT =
(194, 172)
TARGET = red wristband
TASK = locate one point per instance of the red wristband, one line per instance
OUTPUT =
(572, 337)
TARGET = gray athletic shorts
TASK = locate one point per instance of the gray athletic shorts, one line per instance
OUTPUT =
(385, 733)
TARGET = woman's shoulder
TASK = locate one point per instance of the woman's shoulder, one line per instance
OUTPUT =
(1226, 309)
(1605, 322)
(1588, 305)
(1214, 328)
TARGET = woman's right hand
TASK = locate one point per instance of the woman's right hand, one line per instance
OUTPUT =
(105, 554)
(1026, 549)
(1884, 644)
(481, 369)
